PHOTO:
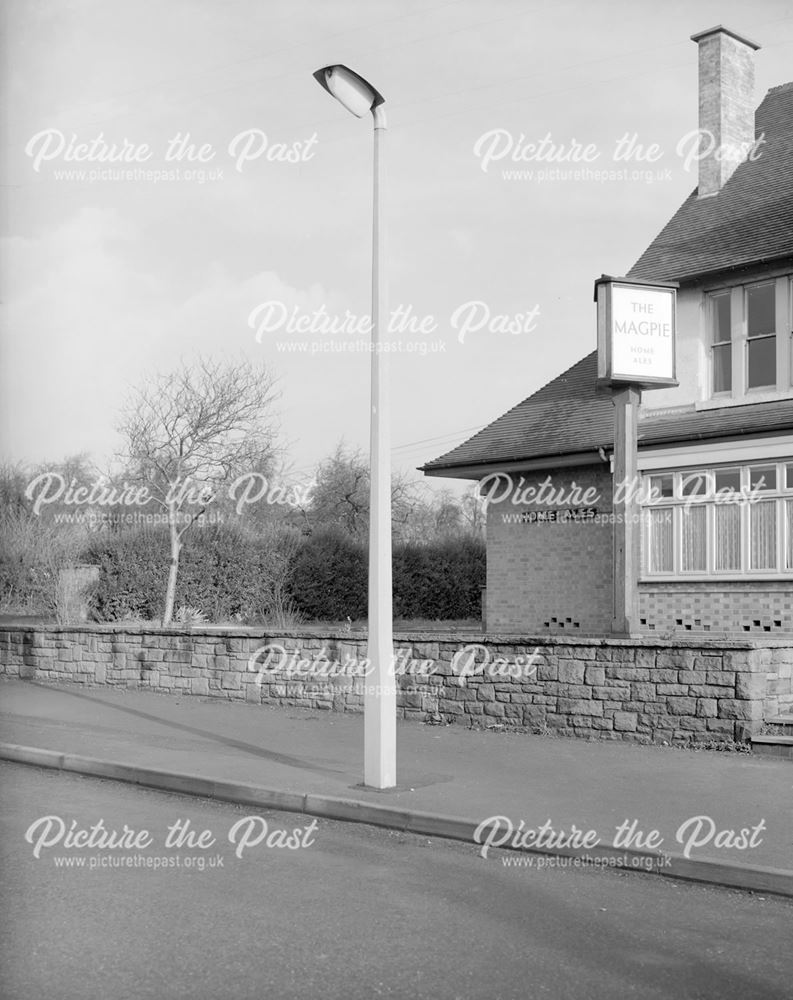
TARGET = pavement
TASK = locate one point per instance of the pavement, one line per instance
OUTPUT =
(724, 818)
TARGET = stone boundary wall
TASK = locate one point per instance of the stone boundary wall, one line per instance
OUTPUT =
(645, 690)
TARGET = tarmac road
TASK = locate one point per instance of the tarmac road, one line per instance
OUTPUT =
(356, 913)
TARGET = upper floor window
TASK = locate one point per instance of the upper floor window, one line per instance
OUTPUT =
(761, 335)
(747, 338)
(721, 340)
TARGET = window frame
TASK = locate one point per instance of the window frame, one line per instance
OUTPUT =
(780, 496)
(739, 345)
(757, 338)
(719, 345)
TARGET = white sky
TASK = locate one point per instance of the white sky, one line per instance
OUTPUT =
(106, 280)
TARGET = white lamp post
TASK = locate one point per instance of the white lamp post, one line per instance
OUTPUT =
(359, 97)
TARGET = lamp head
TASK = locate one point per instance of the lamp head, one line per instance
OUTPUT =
(356, 94)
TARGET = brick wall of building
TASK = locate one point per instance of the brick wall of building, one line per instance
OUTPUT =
(644, 690)
(555, 576)
(551, 576)
(760, 608)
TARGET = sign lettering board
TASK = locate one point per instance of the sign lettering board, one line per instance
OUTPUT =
(636, 332)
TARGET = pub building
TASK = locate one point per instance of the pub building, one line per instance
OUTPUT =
(712, 498)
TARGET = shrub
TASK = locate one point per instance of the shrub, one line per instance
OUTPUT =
(328, 581)
(227, 571)
(440, 581)
(133, 572)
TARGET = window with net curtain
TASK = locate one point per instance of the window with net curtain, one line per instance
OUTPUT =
(720, 521)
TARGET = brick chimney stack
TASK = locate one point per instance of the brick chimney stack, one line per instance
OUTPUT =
(726, 105)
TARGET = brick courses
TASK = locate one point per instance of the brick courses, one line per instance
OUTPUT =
(551, 577)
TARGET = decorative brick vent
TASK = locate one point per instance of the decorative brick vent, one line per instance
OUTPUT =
(561, 623)
(728, 609)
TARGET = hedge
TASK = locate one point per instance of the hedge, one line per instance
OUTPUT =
(229, 572)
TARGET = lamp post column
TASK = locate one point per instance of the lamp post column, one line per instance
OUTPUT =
(380, 684)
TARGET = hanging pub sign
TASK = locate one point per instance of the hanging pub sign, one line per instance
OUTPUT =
(636, 332)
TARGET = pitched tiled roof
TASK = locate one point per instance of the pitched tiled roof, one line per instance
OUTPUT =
(564, 416)
(749, 221)
(568, 416)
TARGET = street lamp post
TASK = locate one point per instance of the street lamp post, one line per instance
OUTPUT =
(359, 97)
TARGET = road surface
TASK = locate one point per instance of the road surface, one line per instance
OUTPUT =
(333, 910)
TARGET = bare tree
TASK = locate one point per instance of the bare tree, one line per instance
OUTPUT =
(36, 554)
(340, 494)
(474, 514)
(192, 431)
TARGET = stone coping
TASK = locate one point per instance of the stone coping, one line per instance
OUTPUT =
(495, 638)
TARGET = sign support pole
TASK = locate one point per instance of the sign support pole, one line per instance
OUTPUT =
(636, 328)
(627, 530)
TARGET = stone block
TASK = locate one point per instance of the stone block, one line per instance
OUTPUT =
(693, 725)
(723, 726)
(621, 673)
(738, 659)
(426, 651)
(743, 710)
(691, 676)
(750, 685)
(615, 690)
(572, 706)
(574, 691)
(725, 678)
(625, 722)
(571, 672)
(664, 690)
(615, 654)
(642, 691)
(682, 659)
(707, 708)
(681, 706)
(595, 676)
